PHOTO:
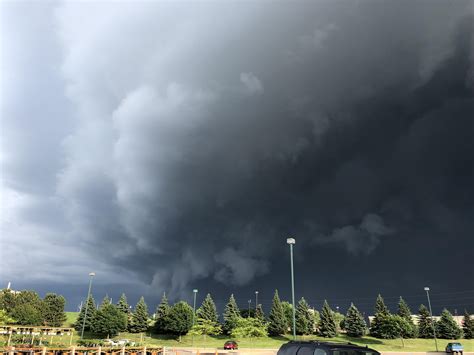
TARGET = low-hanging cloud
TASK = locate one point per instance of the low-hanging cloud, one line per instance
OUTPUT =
(195, 131)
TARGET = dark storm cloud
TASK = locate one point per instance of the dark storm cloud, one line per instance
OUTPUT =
(205, 134)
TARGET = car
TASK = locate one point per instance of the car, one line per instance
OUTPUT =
(324, 348)
(230, 345)
(109, 342)
(454, 348)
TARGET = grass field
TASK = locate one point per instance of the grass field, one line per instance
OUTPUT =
(271, 342)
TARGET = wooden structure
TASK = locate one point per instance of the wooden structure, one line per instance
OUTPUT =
(82, 351)
(34, 331)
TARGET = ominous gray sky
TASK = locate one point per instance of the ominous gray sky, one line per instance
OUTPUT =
(168, 146)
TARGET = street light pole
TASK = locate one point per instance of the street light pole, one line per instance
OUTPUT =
(291, 242)
(427, 289)
(256, 301)
(195, 291)
(248, 315)
(91, 275)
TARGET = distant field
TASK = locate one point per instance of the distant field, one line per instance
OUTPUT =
(71, 318)
(273, 342)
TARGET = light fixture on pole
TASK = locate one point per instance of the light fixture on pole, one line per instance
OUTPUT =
(427, 289)
(291, 242)
(256, 300)
(91, 275)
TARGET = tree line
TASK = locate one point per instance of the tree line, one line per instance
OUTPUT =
(179, 319)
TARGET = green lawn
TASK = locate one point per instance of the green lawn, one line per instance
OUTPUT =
(270, 342)
(409, 345)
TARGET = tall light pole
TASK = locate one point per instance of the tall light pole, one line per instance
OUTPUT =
(256, 301)
(427, 289)
(291, 242)
(195, 291)
(248, 315)
(91, 275)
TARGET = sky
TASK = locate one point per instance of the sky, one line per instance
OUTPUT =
(168, 146)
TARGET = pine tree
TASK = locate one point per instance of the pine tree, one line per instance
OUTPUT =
(381, 311)
(447, 328)
(161, 314)
(327, 324)
(405, 312)
(231, 315)
(53, 310)
(354, 323)
(288, 312)
(122, 305)
(139, 320)
(91, 309)
(277, 319)
(303, 318)
(425, 325)
(108, 320)
(259, 314)
(105, 301)
(468, 326)
(208, 310)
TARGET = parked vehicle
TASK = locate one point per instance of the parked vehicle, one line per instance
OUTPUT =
(109, 342)
(231, 345)
(324, 348)
(454, 348)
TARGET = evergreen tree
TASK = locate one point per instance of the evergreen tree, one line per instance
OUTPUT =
(447, 328)
(122, 306)
(277, 319)
(380, 312)
(405, 312)
(259, 314)
(425, 325)
(231, 315)
(468, 326)
(180, 319)
(139, 320)
(303, 318)
(105, 301)
(90, 315)
(161, 315)
(53, 310)
(327, 324)
(208, 310)
(354, 323)
(108, 320)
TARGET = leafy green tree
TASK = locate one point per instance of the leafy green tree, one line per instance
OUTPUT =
(7, 300)
(259, 314)
(108, 320)
(139, 321)
(5, 318)
(405, 312)
(447, 328)
(315, 319)
(249, 328)
(354, 323)
(380, 312)
(425, 323)
(327, 324)
(393, 326)
(53, 310)
(180, 319)
(27, 314)
(468, 326)
(208, 310)
(303, 317)
(288, 311)
(277, 319)
(205, 327)
(91, 310)
(339, 319)
(161, 315)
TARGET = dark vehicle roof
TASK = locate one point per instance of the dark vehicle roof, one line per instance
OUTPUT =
(292, 347)
(231, 341)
